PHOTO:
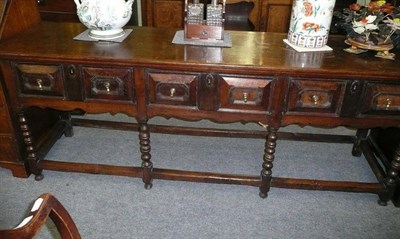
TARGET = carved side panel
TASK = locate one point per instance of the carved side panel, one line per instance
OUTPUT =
(7, 142)
(40, 80)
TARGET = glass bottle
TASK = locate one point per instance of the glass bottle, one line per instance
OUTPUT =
(195, 13)
(214, 13)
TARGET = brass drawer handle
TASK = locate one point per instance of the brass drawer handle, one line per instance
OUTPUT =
(107, 86)
(388, 103)
(245, 97)
(39, 83)
(315, 99)
(172, 92)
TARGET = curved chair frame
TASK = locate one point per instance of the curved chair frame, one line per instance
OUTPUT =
(44, 207)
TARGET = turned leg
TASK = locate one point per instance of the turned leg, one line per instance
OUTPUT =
(392, 178)
(69, 130)
(269, 155)
(147, 165)
(362, 134)
(32, 156)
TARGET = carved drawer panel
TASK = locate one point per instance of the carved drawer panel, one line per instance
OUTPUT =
(381, 99)
(108, 83)
(171, 88)
(245, 93)
(42, 80)
(315, 96)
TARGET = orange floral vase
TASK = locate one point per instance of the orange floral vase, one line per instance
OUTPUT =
(310, 23)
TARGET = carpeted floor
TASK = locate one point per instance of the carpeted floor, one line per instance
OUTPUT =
(119, 207)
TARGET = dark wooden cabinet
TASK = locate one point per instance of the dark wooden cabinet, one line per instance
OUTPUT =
(58, 10)
(162, 13)
(245, 15)
(248, 15)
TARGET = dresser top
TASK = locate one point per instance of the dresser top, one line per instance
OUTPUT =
(251, 52)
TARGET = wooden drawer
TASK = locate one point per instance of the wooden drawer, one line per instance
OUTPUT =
(172, 88)
(245, 93)
(315, 96)
(108, 83)
(40, 80)
(381, 99)
(209, 92)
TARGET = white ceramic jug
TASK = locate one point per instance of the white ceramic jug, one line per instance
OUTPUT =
(104, 18)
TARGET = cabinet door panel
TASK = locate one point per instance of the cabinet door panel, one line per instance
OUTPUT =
(276, 15)
(165, 13)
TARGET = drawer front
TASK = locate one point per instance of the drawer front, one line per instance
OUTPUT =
(172, 89)
(108, 83)
(209, 92)
(245, 93)
(381, 99)
(40, 80)
(315, 96)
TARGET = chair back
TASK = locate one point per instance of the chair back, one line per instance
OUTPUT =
(46, 206)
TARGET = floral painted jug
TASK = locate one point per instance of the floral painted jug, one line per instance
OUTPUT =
(310, 22)
(104, 18)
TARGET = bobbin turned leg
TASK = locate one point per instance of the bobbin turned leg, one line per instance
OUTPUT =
(69, 130)
(362, 134)
(392, 178)
(147, 165)
(32, 157)
(269, 155)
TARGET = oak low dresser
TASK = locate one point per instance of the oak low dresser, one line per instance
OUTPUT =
(46, 76)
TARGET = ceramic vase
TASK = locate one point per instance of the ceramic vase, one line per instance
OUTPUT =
(310, 23)
(104, 18)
